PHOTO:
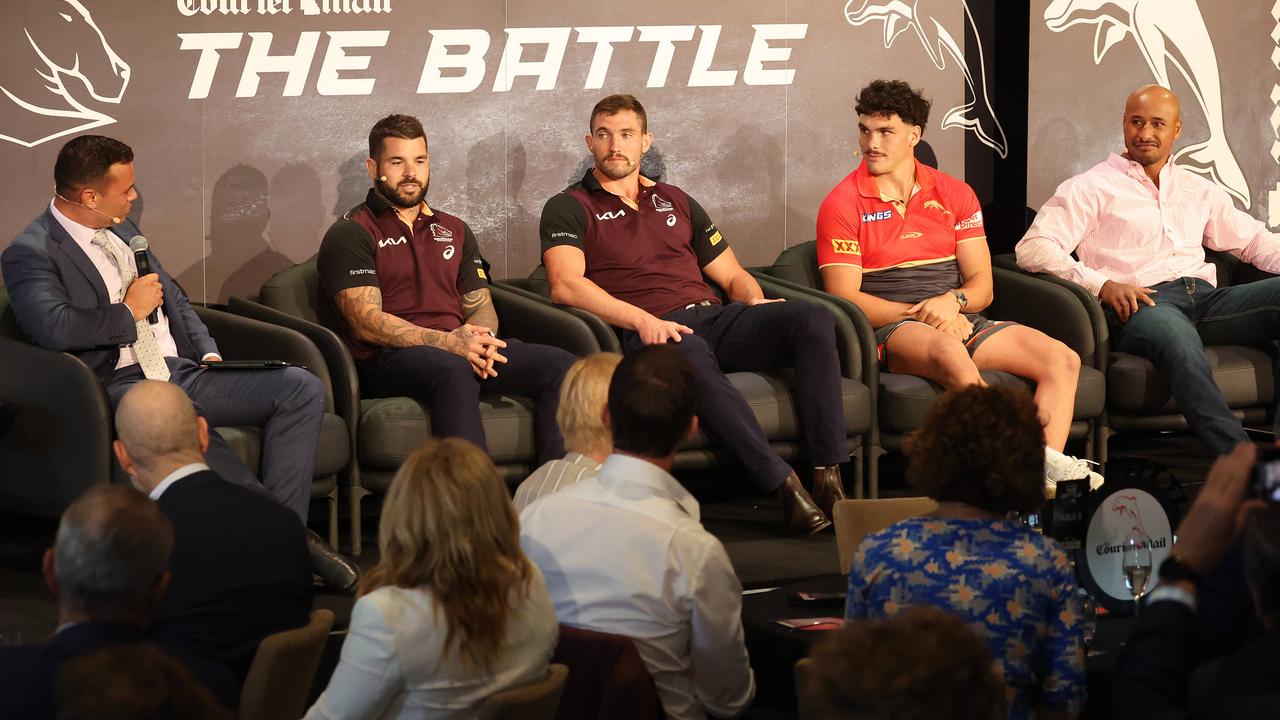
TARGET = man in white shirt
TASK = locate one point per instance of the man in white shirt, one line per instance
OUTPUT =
(227, 590)
(625, 553)
(1139, 225)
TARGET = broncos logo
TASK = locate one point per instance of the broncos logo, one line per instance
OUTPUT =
(69, 65)
(976, 115)
(1168, 32)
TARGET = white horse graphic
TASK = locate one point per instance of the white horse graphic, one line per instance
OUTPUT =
(1168, 32)
(70, 64)
(976, 115)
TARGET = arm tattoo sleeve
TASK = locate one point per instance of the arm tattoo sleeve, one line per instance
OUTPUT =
(361, 308)
(477, 309)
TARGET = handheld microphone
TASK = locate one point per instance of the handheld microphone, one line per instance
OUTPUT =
(138, 244)
(114, 220)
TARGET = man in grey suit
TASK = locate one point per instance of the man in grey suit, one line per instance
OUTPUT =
(73, 284)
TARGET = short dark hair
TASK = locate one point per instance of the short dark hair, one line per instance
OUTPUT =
(405, 127)
(133, 680)
(615, 104)
(982, 446)
(651, 401)
(1262, 561)
(85, 160)
(894, 97)
(922, 664)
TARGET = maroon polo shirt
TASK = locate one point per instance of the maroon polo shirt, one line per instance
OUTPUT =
(651, 255)
(422, 274)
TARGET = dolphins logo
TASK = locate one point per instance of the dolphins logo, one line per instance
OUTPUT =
(1168, 32)
(1126, 507)
(64, 44)
(976, 115)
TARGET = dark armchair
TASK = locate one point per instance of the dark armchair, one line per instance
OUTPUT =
(904, 399)
(55, 437)
(768, 393)
(384, 431)
(1139, 398)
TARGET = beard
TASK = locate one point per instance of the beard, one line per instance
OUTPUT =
(397, 197)
(617, 171)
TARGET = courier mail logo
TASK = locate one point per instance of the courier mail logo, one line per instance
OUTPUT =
(68, 66)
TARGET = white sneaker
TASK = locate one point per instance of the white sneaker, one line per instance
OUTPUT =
(1065, 467)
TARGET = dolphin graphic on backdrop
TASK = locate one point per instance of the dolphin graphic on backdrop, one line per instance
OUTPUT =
(1167, 32)
(1126, 508)
(976, 115)
(70, 64)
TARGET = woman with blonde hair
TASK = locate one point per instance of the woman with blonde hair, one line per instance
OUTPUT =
(454, 612)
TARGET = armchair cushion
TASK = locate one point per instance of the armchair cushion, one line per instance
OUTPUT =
(392, 428)
(1244, 375)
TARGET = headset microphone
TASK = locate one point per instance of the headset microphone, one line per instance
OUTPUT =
(138, 244)
(382, 179)
(114, 220)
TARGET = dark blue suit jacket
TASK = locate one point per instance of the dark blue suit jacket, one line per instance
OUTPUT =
(239, 572)
(29, 673)
(61, 302)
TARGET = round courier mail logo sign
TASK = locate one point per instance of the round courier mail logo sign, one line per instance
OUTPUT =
(1114, 518)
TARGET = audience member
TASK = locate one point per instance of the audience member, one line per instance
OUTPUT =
(107, 571)
(640, 253)
(922, 664)
(132, 682)
(625, 553)
(239, 568)
(454, 612)
(980, 455)
(1139, 225)
(1156, 667)
(583, 397)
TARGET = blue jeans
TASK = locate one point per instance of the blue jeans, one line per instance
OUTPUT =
(1189, 314)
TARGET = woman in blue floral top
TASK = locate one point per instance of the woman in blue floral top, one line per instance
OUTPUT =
(980, 455)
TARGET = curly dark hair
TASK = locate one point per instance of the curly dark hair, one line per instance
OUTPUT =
(982, 446)
(921, 664)
(894, 97)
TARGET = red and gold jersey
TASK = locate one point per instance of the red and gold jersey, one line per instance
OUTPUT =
(860, 227)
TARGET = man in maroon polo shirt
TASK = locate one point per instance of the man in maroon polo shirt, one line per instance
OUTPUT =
(410, 284)
(634, 251)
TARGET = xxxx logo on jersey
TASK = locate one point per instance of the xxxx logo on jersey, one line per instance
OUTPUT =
(846, 247)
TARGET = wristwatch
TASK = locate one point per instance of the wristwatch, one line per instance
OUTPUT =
(960, 297)
(1173, 569)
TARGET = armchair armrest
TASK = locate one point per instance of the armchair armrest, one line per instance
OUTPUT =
(854, 337)
(343, 378)
(242, 338)
(604, 337)
(1044, 302)
(57, 438)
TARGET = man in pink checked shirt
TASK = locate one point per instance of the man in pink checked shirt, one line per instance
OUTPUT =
(1139, 226)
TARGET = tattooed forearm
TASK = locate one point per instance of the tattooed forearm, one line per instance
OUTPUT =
(477, 309)
(361, 308)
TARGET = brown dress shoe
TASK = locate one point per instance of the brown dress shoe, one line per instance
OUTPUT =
(799, 511)
(828, 488)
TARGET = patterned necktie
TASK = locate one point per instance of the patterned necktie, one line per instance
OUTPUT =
(148, 351)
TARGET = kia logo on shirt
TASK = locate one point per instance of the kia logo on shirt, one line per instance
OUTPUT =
(390, 241)
(611, 215)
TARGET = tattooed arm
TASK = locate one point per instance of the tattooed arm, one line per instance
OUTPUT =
(477, 308)
(361, 307)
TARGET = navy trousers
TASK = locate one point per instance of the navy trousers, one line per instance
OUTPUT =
(741, 338)
(450, 389)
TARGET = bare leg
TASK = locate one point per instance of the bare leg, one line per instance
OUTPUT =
(1052, 366)
(917, 349)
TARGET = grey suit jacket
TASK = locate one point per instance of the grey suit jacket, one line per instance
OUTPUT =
(61, 302)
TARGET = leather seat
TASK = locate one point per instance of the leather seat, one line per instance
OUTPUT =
(768, 393)
(904, 399)
(384, 431)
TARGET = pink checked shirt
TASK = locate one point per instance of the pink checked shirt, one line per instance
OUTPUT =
(1124, 228)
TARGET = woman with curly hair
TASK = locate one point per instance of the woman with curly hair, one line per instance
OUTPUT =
(454, 612)
(980, 455)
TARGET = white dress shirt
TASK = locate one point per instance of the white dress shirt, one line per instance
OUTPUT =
(553, 475)
(83, 236)
(625, 553)
(1124, 228)
(393, 663)
(174, 477)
